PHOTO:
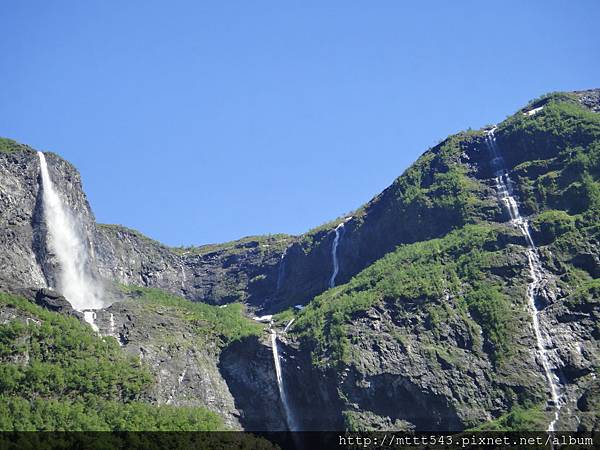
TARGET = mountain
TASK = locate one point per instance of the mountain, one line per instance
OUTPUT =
(465, 295)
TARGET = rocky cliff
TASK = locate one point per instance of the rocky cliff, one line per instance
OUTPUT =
(429, 325)
(439, 333)
(26, 258)
(239, 271)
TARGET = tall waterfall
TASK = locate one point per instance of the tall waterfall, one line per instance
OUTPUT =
(505, 194)
(289, 416)
(74, 281)
(336, 265)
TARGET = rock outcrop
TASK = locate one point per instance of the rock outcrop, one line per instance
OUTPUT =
(184, 363)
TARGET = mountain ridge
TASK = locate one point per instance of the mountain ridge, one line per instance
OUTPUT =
(424, 324)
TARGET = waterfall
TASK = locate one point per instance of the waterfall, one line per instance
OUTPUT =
(289, 324)
(74, 281)
(334, 247)
(289, 417)
(90, 317)
(505, 193)
(183, 279)
(281, 270)
(113, 329)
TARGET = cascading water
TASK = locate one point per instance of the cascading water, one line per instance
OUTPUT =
(281, 271)
(336, 266)
(289, 416)
(111, 324)
(504, 190)
(289, 324)
(183, 279)
(90, 317)
(74, 280)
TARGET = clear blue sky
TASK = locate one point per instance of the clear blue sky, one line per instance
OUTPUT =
(204, 121)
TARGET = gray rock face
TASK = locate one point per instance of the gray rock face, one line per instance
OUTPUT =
(53, 301)
(183, 362)
(589, 98)
(248, 369)
(403, 374)
(25, 258)
(22, 251)
(406, 374)
(243, 271)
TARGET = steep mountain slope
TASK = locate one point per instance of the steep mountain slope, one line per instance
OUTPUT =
(439, 334)
(429, 323)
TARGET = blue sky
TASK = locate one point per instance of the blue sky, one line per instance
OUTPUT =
(200, 122)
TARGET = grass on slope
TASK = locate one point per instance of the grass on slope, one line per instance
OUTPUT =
(10, 146)
(275, 242)
(226, 323)
(436, 194)
(518, 419)
(455, 264)
(57, 374)
(557, 157)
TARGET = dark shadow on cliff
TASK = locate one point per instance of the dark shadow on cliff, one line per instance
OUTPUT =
(247, 367)
(394, 397)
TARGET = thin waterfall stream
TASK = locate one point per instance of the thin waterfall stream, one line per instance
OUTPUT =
(289, 415)
(336, 265)
(65, 239)
(281, 270)
(289, 324)
(505, 194)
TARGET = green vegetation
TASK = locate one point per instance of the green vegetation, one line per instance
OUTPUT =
(551, 224)
(438, 181)
(10, 146)
(92, 414)
(557, 153)
(518, 419)
(419, 274)
(557, 126)
(491, 308)
(123, 229)
(218, 324)
(557, 156)
(271, 242)
(282, 318)
(274, 242)
(586, 299)
(326, 226)
(63, 357)
(463, 271)
(437, 192)
(555, 97)
(57, 374)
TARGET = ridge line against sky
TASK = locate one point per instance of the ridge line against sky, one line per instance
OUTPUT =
(198, 123)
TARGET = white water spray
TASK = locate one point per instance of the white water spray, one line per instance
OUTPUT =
(334, 247)
(289, 417)
(74, 279)
(113, 329)
(90, 317)
(183, 279)
(504, 190)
